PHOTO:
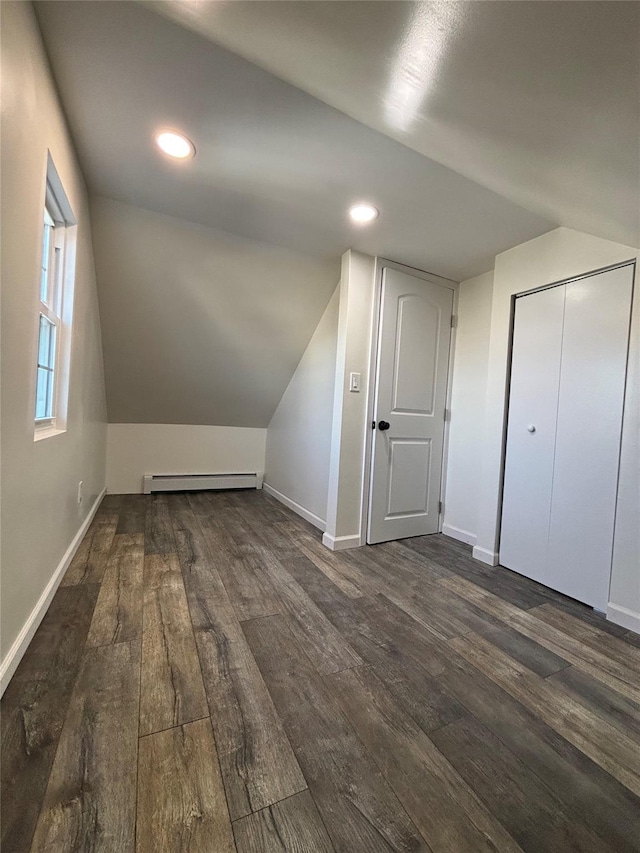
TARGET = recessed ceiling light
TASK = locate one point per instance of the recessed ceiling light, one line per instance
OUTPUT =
(363, 213)
(175, 144)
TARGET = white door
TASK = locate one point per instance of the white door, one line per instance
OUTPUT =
(563, 438)
(531, 435)
(591, 399)
(409, 412)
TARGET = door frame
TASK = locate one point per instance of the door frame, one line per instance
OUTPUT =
(503, 457)
(380, 265)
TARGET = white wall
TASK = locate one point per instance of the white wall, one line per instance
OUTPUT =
(40, 512)
(134, 450)
(348, 437)
(299, 435)
(558, 255)
(468, 392)
(199, 326)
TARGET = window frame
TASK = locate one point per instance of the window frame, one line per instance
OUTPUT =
(55, 288)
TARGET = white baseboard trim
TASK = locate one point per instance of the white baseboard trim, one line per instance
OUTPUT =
(488, 557)
(459, 534)
(341, 543)
(19, 647)
(309, 516)
(624, 617)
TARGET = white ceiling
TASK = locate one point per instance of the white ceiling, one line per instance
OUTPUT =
(273, 163)
(539, 101)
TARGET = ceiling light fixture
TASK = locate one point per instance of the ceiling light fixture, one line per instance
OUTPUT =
(362, 213)
(175, 144)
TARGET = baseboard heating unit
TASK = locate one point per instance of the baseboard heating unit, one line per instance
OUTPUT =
(199, 482)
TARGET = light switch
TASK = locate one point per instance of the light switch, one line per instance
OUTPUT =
(354, 382)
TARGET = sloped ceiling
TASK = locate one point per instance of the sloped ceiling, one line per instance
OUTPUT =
(539, 101)
(272, 164)
(199, 326)
(274, 173)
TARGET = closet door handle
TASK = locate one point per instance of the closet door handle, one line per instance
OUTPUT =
(382, 425)
(531, 428)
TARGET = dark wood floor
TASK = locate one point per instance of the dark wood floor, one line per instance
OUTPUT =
(210, 678)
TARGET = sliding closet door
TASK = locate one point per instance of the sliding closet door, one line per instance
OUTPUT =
(563, 438)
(533, 406)
(592, 380)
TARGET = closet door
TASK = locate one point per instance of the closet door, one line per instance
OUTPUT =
(591, 397)
(533, 405)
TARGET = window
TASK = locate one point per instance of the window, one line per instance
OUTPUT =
(54, 310)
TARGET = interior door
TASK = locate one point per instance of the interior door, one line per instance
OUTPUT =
(590, 403)
(411, 387)
(563, 438)
(531, 434)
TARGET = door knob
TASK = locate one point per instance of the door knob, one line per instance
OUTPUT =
(531, 428)
(382, 425)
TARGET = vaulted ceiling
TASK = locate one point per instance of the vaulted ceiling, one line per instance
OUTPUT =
(539, 101)
(472, 126)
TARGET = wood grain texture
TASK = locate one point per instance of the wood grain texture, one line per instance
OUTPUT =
(257, 762)
(616, 709)
(593, 796)
(132, 512)
(90, 804)
(118, 614)
(526, 808)
(90, 560)
(614, 751)
(291, 826)
(181, 802)
(443, 806)
(619, 675)
(324, 645)
(158, 532)
(399, 697)
(34, 707)
(172, 691)
(358, 808)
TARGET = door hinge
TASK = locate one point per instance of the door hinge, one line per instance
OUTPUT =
(447, 415)
(439, 507)
(373, 424)
(454, 320)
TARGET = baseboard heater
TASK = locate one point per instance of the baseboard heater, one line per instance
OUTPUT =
(198, 482)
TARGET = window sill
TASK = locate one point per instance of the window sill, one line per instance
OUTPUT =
(46, 432)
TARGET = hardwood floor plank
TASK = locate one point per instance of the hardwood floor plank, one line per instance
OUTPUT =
(526, 651)
(620, 677)
(33, 710)
(317, 637)
(290, 826)
(90, 799)
(526, 808)
(405, 664)
(172, 688)
(615, 752)
(445, 809)
(118, 614)
(615, 648)
(133, 509)
(534, 698)
(181, 802)
(346, 577)
(358, 808)
(158, 533)
(616, 709)
(257, 762)
(90, 560)
(508, 586)
(241, 571)
(593, 796)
